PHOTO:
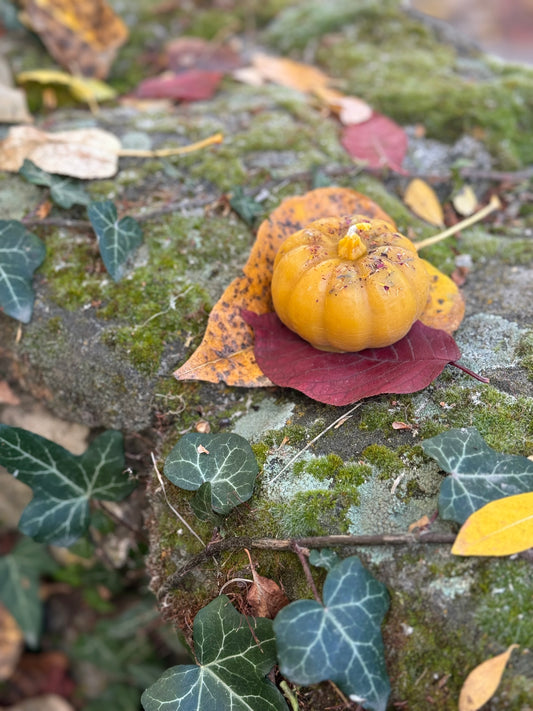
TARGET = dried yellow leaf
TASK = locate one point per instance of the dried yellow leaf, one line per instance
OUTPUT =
(501, 527)
(483, 681)
(465, 201)
(81, 88)
(423, 201)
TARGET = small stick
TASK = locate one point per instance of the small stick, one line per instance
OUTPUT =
(167, 152)
(494, 204)
(307, 570)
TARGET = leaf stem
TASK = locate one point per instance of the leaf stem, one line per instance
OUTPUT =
(167, 152)
(289, 695)
(493, 205)
(466, 370)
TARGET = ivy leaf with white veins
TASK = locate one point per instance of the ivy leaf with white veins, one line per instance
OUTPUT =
(20, 571)
(117, 239)
(340, 640)
(21, 252)
(225, 460)
(234, 653)
(65, 192)
(478, 474)
(63, 483)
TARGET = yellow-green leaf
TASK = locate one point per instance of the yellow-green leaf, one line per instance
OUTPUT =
(501, 527)
(82, 88)
(483, 681)
(423, 201)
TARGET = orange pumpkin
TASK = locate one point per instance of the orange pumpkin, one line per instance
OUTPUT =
(346, 284)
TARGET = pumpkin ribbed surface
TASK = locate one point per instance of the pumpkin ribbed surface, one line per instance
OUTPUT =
(346, 284)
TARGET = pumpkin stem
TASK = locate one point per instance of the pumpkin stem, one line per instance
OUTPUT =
(351, 246)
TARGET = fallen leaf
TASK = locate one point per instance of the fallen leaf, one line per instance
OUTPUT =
(401, 426)
(7, 396)
(87, 153)
(47, 702)
(226, 351)
(82, 37)
(289, 73)
(350, 109)
(81, 88)
(483, 681)
(446, 306)
(43, 673)
(13, 106)
(194, 85)
(186, 53)
(11, 643)
(422, 522)
(465, 201)
(379, 143)
(344, 378)
(265, 597)
(501, 527)
(422, 200)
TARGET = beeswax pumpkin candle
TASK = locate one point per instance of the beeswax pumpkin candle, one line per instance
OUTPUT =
(346, 284)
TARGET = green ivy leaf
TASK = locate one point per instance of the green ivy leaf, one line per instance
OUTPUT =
(201, 504)
(478, 474)
(117, 239)
(234, 653)
(340, 640)
(21, 252)
(63, 483)
(324, 558)
(225, 460)
(20, 571)
(246, 207)
(65, 192)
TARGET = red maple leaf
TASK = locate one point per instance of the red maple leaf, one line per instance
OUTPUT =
(379, 142)
(343, 378)
(194, 85)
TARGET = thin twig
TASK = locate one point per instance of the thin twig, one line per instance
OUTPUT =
(180, 517)
(310, 444)
(307, 570)
(278, 544)
(167, 152)
(494, 204)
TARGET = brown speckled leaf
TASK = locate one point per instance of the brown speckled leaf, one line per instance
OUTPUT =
(446, 307)
(226, 351)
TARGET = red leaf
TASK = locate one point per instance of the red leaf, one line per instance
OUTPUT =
(379, 142)
(343, 378)
(194, 85)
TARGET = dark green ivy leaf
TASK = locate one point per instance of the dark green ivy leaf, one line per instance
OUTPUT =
(65, 192)
(234, 653)
(246, 207)
(224, 460)
(117, 239)
(201, 504)
(323, 558)
(478, 474)
(340, 640)
(20, 572)
(21, 252)
(63, 483)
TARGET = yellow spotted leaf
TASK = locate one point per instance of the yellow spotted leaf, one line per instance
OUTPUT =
(446, 307)
(501, 527)
(423, 201)
(82, 88)
(483, 681)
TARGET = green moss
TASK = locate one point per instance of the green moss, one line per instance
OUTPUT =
(505, 604)
(505, 422)
(385, 460)
(506, 248)
(311, 513)
(525, 352)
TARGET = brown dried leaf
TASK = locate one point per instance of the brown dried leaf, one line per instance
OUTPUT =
(83, 37)
(11, 643)
(287, 72)
(423, 201)
(88, 153)
(350, 109)
(226, 351)
(265, 597)
(13, 106)
(7, 396)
